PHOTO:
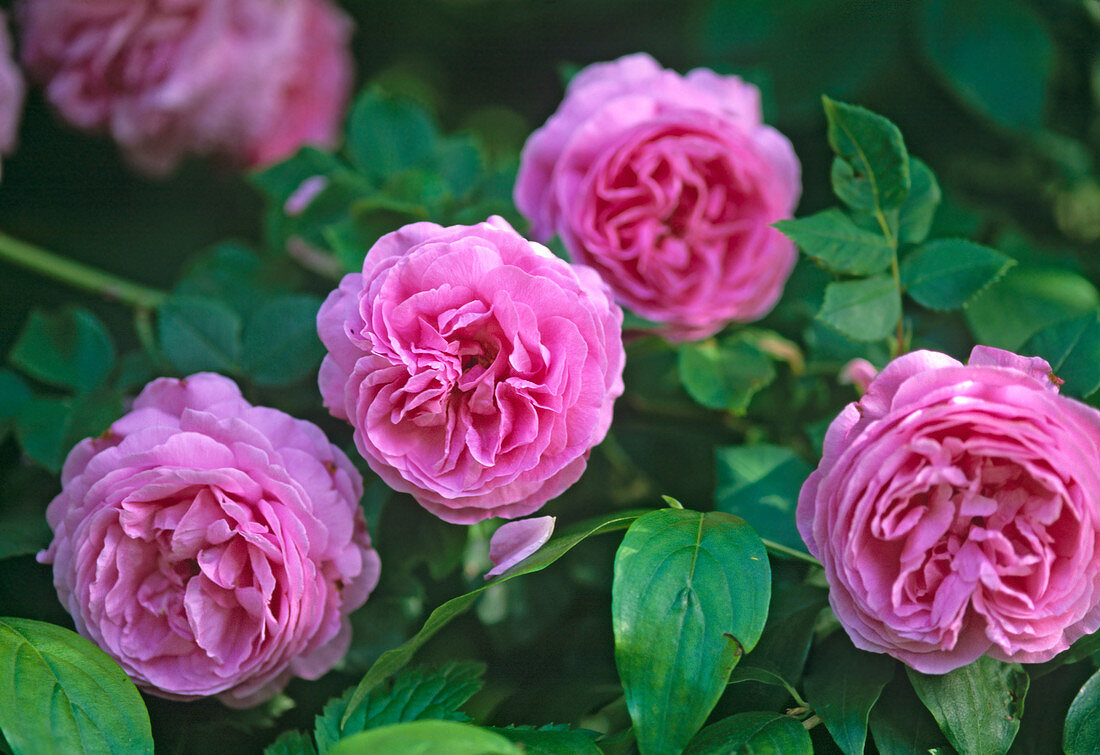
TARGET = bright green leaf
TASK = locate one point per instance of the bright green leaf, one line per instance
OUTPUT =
(551, 740)
(388, 134)
(863, 310)
(831, 238)
(978, 707)
(874, 149)
(947, 273)
(60, 693)
(1073, 350)
(760, 483)
(427, 738)
(67, 349)
(280, 344)
(917, 212)
(753, 733)
(199, 334)
(842, 684)
(689, 598)
(1082, 732)
(726, 374)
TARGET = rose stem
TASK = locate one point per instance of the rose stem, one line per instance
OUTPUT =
(895, 272)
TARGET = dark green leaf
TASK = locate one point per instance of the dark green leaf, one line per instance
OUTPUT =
(280, 344)
(831, 238)
(901, 725)
(1073, 350)
(233, 275)
(745, 673)
(23, 528)
(387, 135)
(996, 55)
(753, 733)
(842, 683)
(947, 273)
(43, 426)
(14, 393)
(872, 146)
(1025, 301)
(724, 374)
(428, 738)
(916, 214)
(69, 349)
(551, 740)
(60, 693)
(291, 742)
(1082, 732)
(414, 695)
(689, 597)
(199, 334)
(280, 181)
(863, 310)
(760, 483)
(978, 707)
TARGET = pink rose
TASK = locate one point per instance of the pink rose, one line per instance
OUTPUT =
(12, 90)
(211, 546)
(667, 185)
(249, 81)
(477, 368)
(957, 512)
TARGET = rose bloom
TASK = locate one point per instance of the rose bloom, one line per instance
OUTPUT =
(211, 546)
(477, 368)
(12, 90)
(957, 512)
(248, 81)
(667, 185)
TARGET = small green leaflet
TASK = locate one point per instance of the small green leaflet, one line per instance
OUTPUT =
(874, 151)
(831, 238)
(1082, 732)
(1073, 350)
(752, 733)
(726, 374)
(66, 349)
(198, 334)
(863, 310)
(280, 344)
(917, 212)
(947, 273)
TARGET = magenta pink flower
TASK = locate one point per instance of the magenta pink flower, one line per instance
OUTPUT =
(667, 185)
(957, 512)
(211, 546)
(248, 81)
(12, 90)
(477, 369)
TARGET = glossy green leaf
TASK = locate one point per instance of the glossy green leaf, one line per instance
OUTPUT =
(427, 738)
(60, 693)
(394, 660)
(745, 673)
(725, 374)
(842, 684)
(760, 483)
(917, 212)
(1073, 350)
(947, 273)
(863, 310)
(551, 740)
(901, 725)
(67, 349)
(689, 598)
(873, 148)
(199, 334)
(1026, 300)
(831, 238)
(1082, 731)
(414, 695)
(388, 134)
(280, 344)
(978, 707)
(996, 56)
(753, 733)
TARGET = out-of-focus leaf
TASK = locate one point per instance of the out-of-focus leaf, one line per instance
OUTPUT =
(60, 693)
(291, 742)
(232, 274)
(1073, 350)
(831, 238)
(198, 334)
(1082, 731)
(427, 738)
(551, 740)
(387, 135)
(947, 273)
(917, 212)
(760, 483)
(724, 374)
(873, 148)
(689, 597)
(863, 310)
(14, 393)
(280, 344)
(42, 426)
(67, 349)
(753, 733)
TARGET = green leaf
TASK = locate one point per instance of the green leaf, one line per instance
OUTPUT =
(842, 684)
(689, 598)
(414, 695)
(60, 693)
(281, 180)
(234, 275)
(1027, 300)
(873, 148)
(978, 707)
(996, 55)
(69, 349)
(291, 742)
(428, 738)
(42, 427)
(1073, 350)
(550, 740)
(947, 273)
(760, 483)
(14, 394)
(280, 344)
(863, 310)
(387, 135)
(199, 334)
(726, 374)
(831, 238)
(901, 725)
(1082, 732)
(394, 660)
(917, 212)
(753, 733)
(744, 673)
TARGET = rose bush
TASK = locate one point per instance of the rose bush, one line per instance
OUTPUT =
(211, 546)
(477, 369)
(667, 185)
(957, 512)
(244, 80)
(12, 90)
